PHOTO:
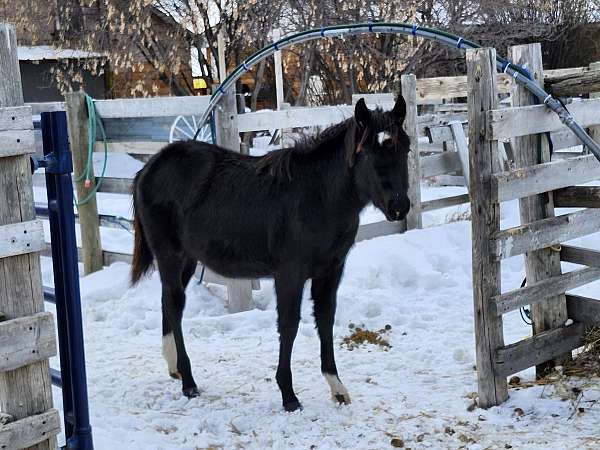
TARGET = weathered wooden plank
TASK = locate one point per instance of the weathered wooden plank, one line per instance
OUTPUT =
(431, 90)
(450, 180)
(595, 130)
(543, 290)
(21, 238)
(25, 391)
(11, 93)
(376, 229)
(584, 310)
(16, 118)
(26, 340)
(116, 185)
(146, 128)
(409, 91)
(294, 118)
(545, 233)
(557, 156)
(485, 220)
(324, 116)
(453, 87)
(445, 162)
(579, 255)
(152, 107)
(551, 74)
(525, 120)
(572, 85)
(16, 142)
(131, 147)
(549, 176)
(32, 430)
(432, 205)
(439, 134)
(577, 197)
(433, 120)
(443, 133)
(542, 347)
(40, 107)
(458, 133)
(77, 117)
(564, 139)
(143, 132)
(450, 107)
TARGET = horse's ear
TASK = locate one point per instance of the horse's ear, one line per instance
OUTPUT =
(362, 115)
(399, 111)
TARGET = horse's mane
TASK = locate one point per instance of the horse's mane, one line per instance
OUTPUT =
(277, 163)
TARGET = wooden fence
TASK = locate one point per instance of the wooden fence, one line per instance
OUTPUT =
(540, 184)
(27, 336)
(140, 127)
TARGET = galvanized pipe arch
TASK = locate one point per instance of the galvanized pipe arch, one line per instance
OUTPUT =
(520, 74)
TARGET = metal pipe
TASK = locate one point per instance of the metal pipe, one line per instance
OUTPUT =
(520, 74)
(59, 189)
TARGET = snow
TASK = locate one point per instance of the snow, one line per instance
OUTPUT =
(419, 390)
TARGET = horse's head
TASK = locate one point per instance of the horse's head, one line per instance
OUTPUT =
(378, 150)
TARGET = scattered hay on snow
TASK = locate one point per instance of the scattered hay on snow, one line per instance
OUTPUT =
(360, 336)
(586, 363)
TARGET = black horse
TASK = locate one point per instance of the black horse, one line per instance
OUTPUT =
(291, 215)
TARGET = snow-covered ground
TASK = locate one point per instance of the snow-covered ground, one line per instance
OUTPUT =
(418, 391)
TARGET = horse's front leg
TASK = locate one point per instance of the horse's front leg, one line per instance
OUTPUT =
(288, 287)
(324, 293)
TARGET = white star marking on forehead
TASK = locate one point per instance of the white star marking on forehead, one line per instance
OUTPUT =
(381, 137)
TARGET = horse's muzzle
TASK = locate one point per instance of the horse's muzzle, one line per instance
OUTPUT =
(397, 209)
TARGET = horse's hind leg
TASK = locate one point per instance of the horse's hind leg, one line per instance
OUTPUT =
(324, 292)
(189, 269)
(175, 273)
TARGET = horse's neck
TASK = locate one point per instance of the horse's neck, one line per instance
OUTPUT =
(332, 177)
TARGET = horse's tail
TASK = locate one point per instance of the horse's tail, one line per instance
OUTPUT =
(142, 255)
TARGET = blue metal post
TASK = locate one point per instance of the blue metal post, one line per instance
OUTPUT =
(59, 186)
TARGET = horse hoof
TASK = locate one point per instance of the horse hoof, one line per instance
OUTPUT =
(339, 393)
(293, 406)
(175, 375)
(191, 392)
(342, 399)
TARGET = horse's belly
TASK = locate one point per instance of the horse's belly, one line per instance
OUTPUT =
(235, 258)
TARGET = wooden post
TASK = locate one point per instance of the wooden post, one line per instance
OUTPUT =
(278, 72)
(595, 130)
(239, 291)
(409, 92)
(460, 142)
(529, 151)
(24, 391)
(221, 55)
(485, 221)
(89, 223)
